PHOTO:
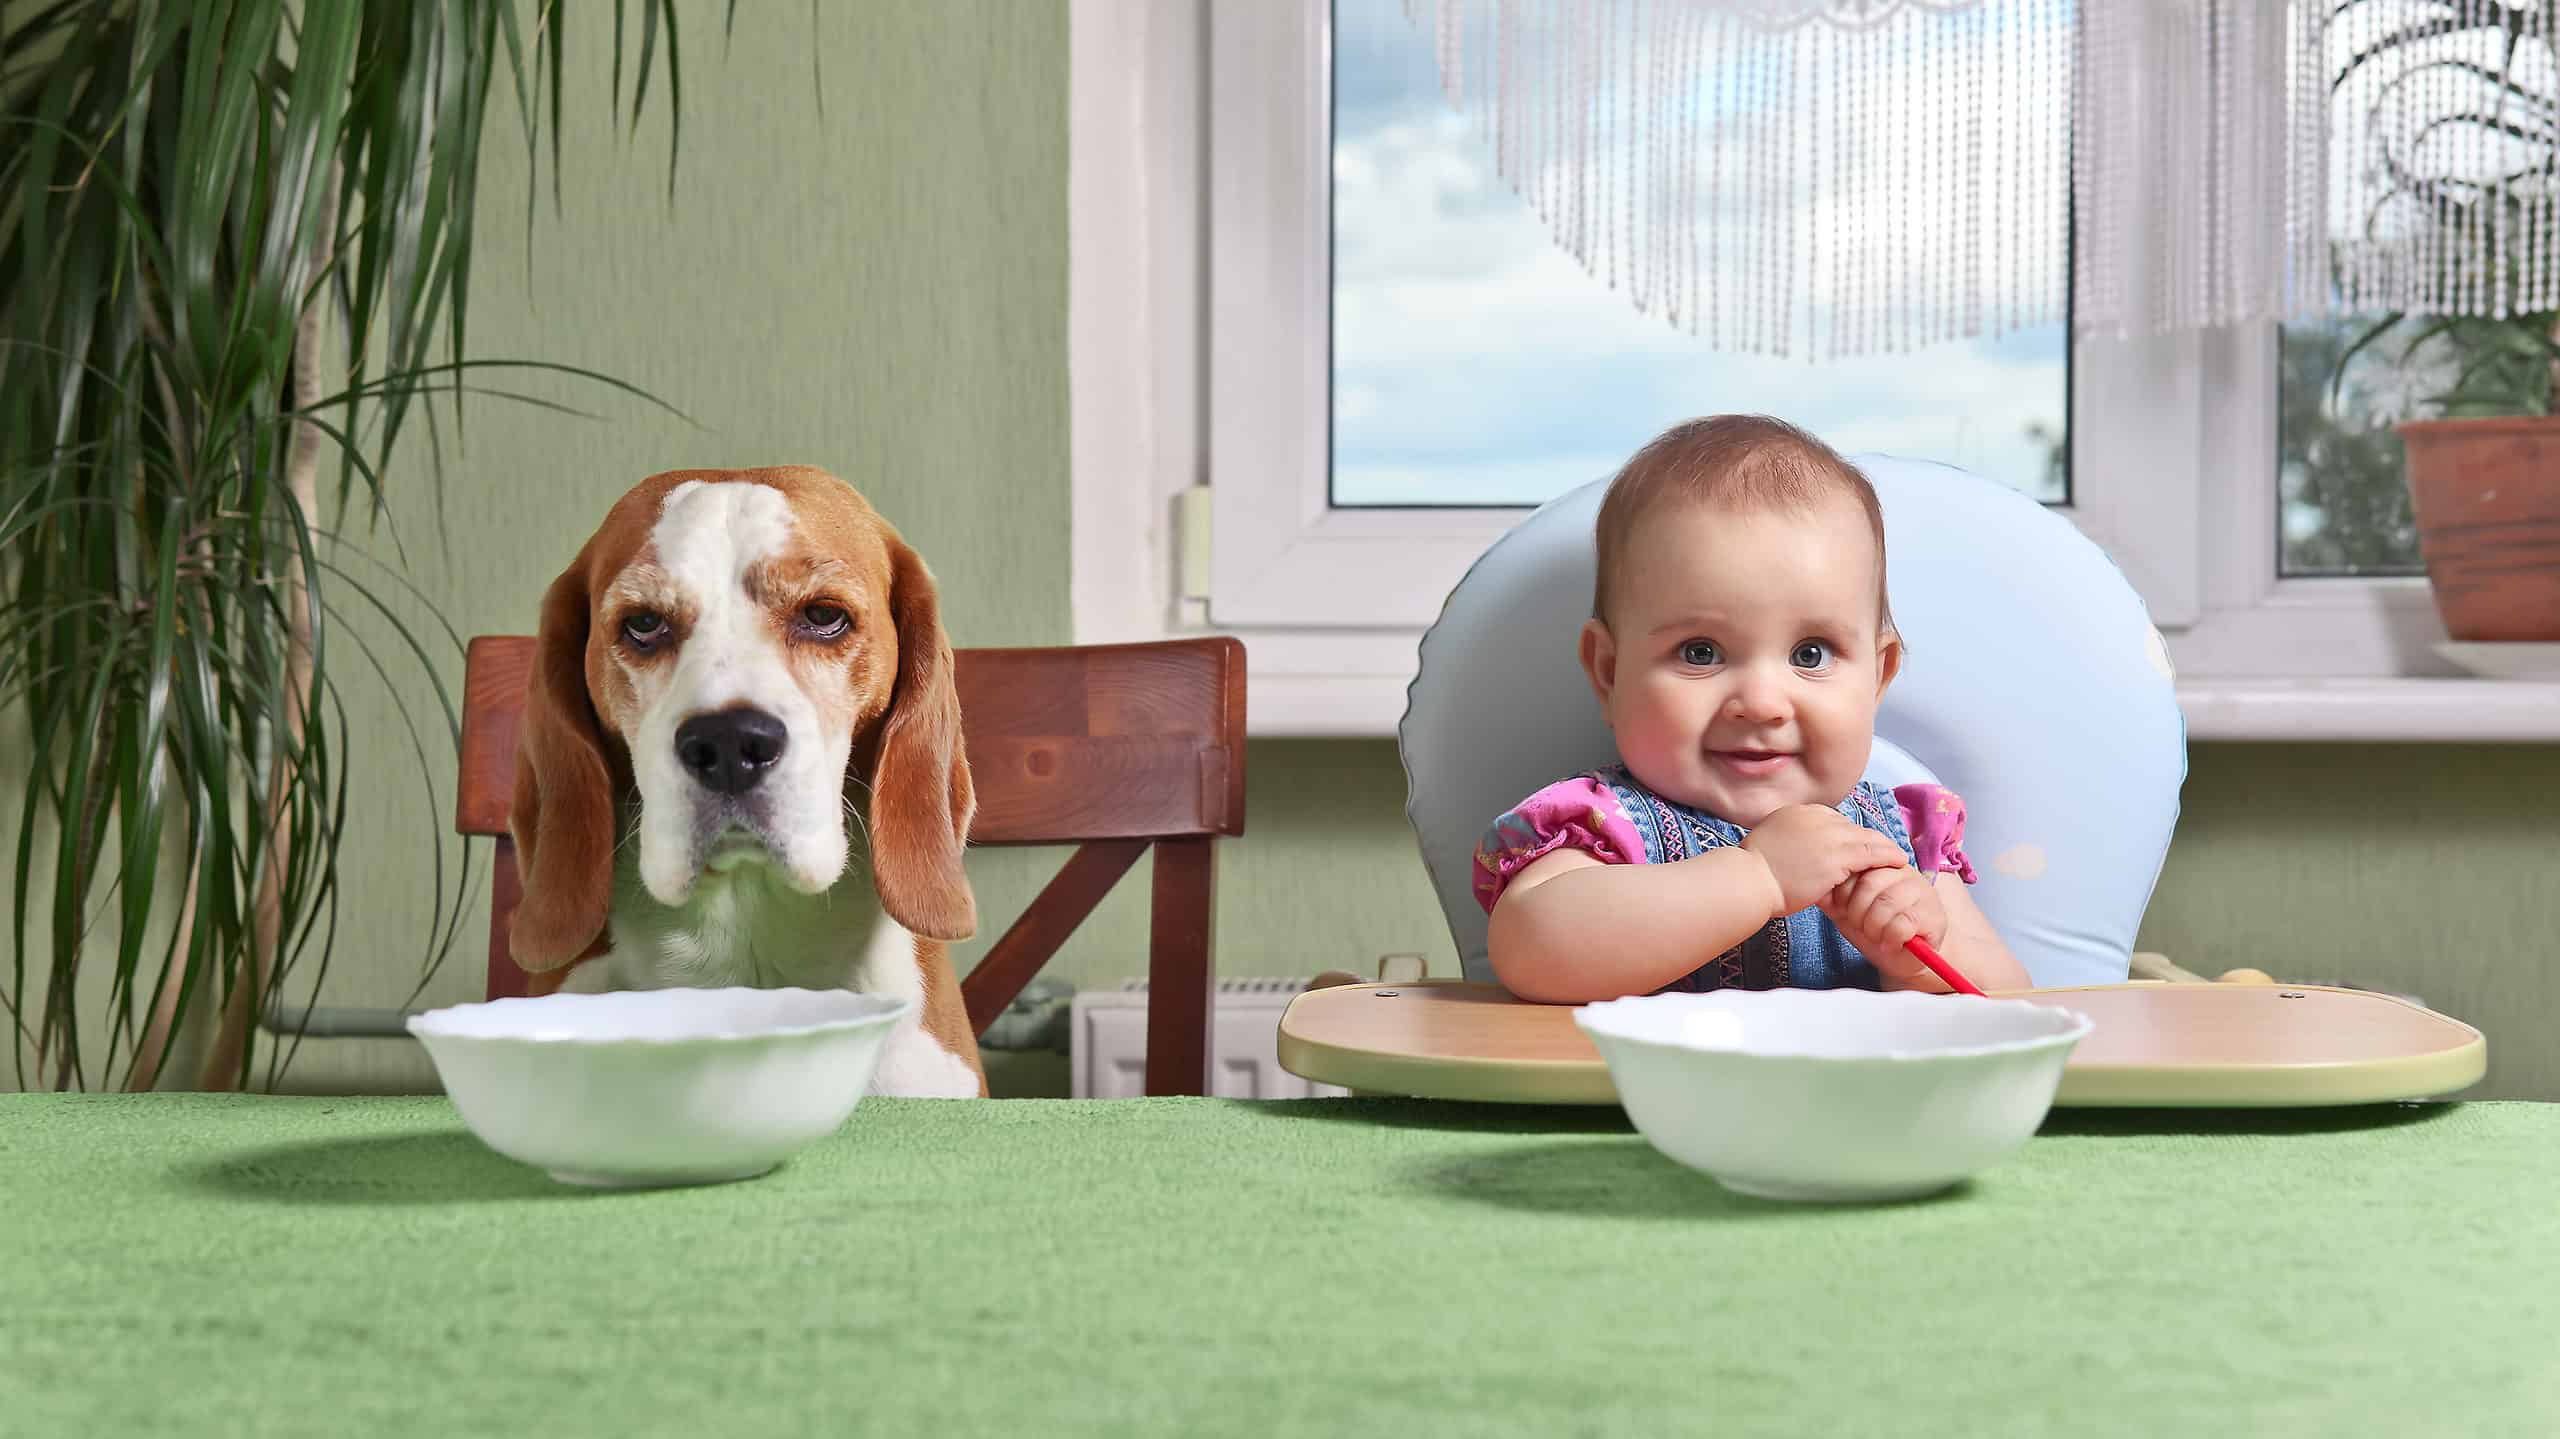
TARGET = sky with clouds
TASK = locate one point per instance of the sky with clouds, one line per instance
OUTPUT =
(1475, 362)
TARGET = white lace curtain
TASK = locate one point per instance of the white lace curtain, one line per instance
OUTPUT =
(1839, 177)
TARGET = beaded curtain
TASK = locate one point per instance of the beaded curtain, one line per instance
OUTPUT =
(1841, 177)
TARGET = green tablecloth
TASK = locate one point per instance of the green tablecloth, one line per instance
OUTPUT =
(276, 1266)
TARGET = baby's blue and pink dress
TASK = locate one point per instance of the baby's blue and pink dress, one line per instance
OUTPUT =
(1607, 815)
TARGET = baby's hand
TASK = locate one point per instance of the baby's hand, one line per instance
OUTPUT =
(1882, 908)
(1812, 850)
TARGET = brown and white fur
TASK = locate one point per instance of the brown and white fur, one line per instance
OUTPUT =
(741, 676)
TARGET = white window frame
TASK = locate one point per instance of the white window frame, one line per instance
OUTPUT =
(1199, 313)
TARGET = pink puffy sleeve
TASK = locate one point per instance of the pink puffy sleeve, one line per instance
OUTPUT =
(1580, 813)
(1935, 816)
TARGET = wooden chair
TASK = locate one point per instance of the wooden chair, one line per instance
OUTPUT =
(1109, 747)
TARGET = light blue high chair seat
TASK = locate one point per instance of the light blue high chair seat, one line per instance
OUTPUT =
(2033, 684)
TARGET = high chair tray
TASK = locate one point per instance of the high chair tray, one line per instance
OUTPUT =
(2154, 1045)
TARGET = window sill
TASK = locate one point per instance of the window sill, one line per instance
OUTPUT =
(2449, 711)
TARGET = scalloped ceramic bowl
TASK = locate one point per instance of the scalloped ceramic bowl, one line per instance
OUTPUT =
(640, 1088)
(1834, 1095)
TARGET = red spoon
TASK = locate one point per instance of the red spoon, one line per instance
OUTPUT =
(1928, 955)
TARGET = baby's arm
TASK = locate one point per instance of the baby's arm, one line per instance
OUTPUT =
(1937, 903)
(1969, 943)
(1570, 929)
(1881, 908)
(1579, 930)
(1973, 946)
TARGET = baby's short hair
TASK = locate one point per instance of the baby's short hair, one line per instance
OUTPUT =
(1735, 462)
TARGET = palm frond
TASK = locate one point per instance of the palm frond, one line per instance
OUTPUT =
(184, 615)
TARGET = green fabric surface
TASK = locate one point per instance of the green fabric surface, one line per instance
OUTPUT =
(202, 1265)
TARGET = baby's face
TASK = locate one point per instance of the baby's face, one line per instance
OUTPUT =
(1741, 664)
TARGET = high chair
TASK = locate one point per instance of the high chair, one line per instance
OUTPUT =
(2033, 685)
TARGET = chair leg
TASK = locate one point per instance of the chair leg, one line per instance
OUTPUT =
(506, 889)
(1180, 954)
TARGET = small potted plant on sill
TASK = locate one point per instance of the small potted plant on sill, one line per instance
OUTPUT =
(2484, 479)
(2483, 463)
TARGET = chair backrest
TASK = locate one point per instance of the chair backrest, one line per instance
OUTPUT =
(2033, 685)
(1066, 744)
(1111, 747)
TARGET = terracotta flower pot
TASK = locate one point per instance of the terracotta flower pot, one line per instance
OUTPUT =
(2487, 494)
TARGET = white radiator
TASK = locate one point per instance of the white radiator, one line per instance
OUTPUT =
(1107, 1044)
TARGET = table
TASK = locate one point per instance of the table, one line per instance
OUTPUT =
(237, 1265)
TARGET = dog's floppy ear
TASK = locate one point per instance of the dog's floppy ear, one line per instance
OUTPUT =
(562, 818)
(921, 795)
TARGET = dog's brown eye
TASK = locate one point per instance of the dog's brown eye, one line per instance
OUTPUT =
(644, 629)
(825, 622)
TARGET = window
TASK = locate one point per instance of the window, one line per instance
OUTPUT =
(1474, 363)
(2343, 503)
(1314, 435)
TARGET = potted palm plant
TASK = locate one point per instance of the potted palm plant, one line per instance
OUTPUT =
(192, 195)
(2483, 465)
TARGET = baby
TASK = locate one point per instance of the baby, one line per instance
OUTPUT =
(1739, 642)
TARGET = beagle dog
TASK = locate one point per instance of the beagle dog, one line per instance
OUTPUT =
(740, 762)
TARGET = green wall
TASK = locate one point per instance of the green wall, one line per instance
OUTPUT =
(882, 290)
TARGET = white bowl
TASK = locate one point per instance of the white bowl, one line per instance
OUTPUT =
(1834, 1095)
(664, 1086)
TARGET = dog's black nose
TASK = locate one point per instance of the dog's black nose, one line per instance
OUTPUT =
(728, 751)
